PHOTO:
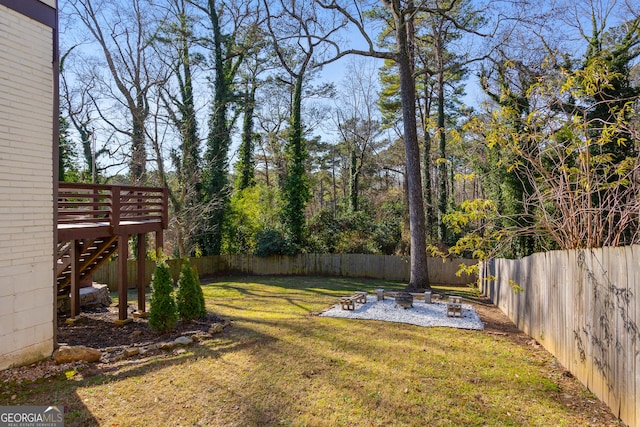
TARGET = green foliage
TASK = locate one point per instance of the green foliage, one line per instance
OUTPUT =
(295, 193)
(324, 232)
(242, 222)
(295, 184)
(356, 232)
(558, 173)
(245, 167)
(273, 242)
(163, 313)
(189, 296)
(251, 211)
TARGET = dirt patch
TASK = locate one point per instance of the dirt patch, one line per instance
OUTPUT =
(97, 329)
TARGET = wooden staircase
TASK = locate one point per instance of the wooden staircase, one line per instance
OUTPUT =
(93, 221)
(93, 253)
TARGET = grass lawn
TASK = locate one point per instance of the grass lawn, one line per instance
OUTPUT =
(279, 364)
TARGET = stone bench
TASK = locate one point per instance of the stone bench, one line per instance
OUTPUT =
(349, 302)
(454, 307)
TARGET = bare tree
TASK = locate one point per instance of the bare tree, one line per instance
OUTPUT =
(78, 106)
(358, 121)
(124, 37)
(176, 46)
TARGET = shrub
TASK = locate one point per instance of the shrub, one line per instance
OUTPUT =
(273, 242)
(163, 314)
(189, 298)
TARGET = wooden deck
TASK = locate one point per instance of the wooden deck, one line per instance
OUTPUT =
(90, 210)
(89, 215)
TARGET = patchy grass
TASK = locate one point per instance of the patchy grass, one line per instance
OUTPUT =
(279, 364)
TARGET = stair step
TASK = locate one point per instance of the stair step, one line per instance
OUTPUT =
(93, 253)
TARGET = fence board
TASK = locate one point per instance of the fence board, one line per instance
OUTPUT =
(579, 309)
(594, 328)
(633, 258)
(618, 351)
(383, 267)
(583, 306)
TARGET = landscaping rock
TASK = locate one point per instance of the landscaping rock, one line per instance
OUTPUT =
(131, 351)
(80, 353)
(95, 295)
(216, 328)
(118, 358)
(183, 340)
(200, 336)
(167, 345)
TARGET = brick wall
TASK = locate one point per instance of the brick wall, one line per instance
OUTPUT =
(26, 189)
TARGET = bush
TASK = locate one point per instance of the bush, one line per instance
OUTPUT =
(273, 242)
(163, 313)
(189, 298)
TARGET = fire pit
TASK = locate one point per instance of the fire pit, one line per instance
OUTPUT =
(404, 299)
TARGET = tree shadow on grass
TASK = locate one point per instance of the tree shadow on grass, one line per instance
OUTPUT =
(329, 286)
(63, 388)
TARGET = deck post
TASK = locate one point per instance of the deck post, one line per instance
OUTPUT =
(75, 280)
(141, 256)
(123, 254)
(115, 210)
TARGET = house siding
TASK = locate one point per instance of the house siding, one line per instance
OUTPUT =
(27, 178)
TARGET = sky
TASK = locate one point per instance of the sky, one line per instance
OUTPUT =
(336, 71)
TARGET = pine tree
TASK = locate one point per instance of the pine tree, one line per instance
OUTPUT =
(163, 313)
(189, 299)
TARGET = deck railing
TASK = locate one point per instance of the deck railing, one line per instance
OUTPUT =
(112, 205)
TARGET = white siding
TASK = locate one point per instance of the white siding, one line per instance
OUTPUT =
(26, 189)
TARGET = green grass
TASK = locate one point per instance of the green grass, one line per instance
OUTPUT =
(280, 364)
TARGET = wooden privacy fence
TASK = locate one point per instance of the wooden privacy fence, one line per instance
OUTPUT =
(584, 307)
(384, 267)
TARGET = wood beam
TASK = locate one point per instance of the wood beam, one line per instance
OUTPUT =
(141, 256)
(75, 279)
(123, 254)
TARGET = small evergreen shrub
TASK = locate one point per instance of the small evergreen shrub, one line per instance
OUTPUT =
(189, 298)
(163, 313)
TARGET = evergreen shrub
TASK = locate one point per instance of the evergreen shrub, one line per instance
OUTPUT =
(189, 298)
(163, 313)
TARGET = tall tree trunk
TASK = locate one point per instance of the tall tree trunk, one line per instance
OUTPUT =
(442, 160)
(419, 274)
(353, 181)
(216, 157)
(185, 197)
(246, 172)
(428, 199)
(296, 187)
(138, 148)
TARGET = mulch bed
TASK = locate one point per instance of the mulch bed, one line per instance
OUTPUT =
(97, 329)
